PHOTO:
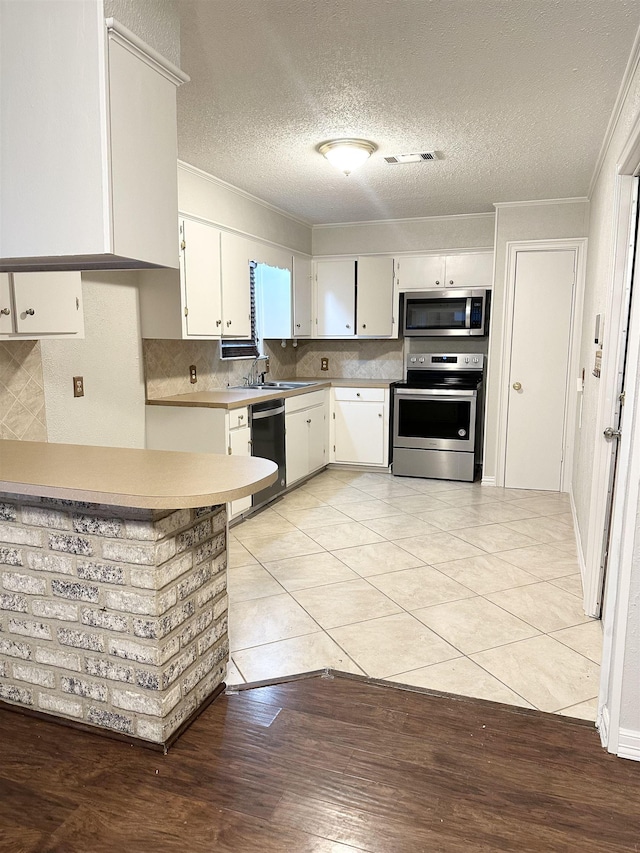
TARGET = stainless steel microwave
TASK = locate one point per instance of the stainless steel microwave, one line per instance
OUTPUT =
(439, 313)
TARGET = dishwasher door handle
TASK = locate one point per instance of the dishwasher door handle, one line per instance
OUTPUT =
(268, 414)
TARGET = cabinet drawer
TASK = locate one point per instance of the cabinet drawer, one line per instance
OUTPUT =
(238, 418)
(304, 401)
(366, 395)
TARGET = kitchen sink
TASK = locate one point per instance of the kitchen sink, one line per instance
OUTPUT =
(272, 386)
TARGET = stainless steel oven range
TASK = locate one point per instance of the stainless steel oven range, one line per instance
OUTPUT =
(436, 416)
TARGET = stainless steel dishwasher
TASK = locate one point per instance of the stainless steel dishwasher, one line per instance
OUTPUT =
(267, 441)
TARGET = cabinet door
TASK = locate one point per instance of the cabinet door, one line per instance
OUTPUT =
(240, 445)
(297, 445)
(236, 254)
(6, 311)
(336, 298)
(375, 297)
(48, 303)
(421, 273)
(470, 270)
(359, 432)
(143, 154)
(301, 297)
(317, 437)
(274, 303)
(200, 272)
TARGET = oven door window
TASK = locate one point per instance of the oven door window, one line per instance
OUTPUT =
(435, 419)
(436, 314)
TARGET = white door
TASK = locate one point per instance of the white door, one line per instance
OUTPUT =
(48, 303)
(470, 270)
(236, 254)
(296, 445)
(240, 445)
(200, 269)
(421, 273)
(301, 296)
(538, 374)
(336, 298)
(6, 310)
(359, 432)
(375, 297)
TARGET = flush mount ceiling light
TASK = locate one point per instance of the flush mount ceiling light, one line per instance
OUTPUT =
(347, 154)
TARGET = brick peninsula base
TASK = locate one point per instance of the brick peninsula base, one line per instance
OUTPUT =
(114, 617)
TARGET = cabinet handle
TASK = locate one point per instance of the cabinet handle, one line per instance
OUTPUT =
(451, 281)
(380, 415)
(348, 326)
(228, 322)
(240, 417)
(5, 311)
(30, 312)
(297, 325)
(357, 393)
(308, 420)
(364, 325)
(437, 282)
(218, 322)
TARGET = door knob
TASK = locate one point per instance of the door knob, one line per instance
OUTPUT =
(610, 432)
(517, 386)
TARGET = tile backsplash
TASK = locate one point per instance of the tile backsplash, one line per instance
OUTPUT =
(358, 359)
(167, 363)
(22, 410)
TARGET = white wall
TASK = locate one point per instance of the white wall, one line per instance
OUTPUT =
(434, 233)
(111, 413)
(205, 196)
(527, 221)
(598, 285)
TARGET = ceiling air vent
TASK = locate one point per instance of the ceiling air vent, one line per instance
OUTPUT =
(411, 158)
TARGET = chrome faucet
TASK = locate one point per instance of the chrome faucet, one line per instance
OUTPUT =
(252, 378)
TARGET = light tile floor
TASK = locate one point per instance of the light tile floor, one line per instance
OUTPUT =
(451, 586)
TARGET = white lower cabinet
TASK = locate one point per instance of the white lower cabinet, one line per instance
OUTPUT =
(196, 429)
(306, 434)
(360, 426)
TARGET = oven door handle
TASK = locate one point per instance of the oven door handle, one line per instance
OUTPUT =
(421, 393)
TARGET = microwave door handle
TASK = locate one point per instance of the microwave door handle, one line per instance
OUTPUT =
(467, 314)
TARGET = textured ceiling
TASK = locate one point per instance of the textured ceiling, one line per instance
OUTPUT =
(515, 95)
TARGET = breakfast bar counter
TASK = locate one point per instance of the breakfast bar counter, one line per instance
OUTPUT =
(113, 604)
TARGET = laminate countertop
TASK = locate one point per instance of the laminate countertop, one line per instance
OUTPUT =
(235, 398)
(148, 479)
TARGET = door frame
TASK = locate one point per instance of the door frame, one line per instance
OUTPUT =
(579, 245)
(617, 599)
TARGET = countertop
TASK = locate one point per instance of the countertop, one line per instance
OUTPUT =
(148, 479)
(235, 398)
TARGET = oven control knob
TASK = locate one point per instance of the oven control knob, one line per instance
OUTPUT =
(466, 361)
(421, 360)
(413, 360)
(475, 360)
(462, 433)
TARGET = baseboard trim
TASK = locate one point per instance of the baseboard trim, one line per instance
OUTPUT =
(576, 529)
(602, 725)
(629, 744)
(488, 481)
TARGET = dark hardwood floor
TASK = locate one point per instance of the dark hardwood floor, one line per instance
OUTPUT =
(327, 765)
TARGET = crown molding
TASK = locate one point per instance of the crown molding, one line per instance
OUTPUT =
(627, 77)
(409, 219)
(194, 170)
(541, 201)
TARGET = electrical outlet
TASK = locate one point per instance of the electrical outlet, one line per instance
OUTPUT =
(324, 363)
(78, 386)
(193, 374)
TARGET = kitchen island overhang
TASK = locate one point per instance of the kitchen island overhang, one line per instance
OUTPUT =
(113, 603)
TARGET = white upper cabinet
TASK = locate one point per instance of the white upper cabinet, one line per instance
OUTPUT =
(425, 272)
(236, 253)
(302, 301)
(335, 298)
(200, 275)
(41, 304)
(89, 152)
(474, 269)
(375, 309)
